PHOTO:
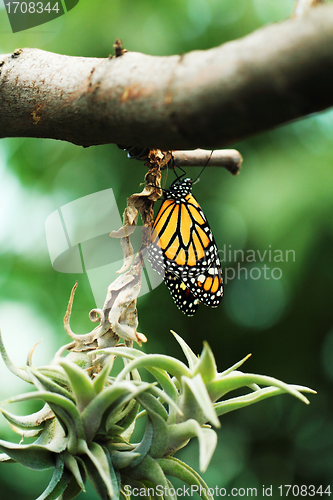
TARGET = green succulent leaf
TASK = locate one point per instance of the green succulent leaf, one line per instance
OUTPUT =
(73, 465)
(59, 481)
(149, 469)
(59, 488)
(192, 359)
(123, 459)
(160, 437)
(115, 476)
(39, 454)
(122, 417)
(235, 366)
(152, 404)
(73, 428)
(55, 373)
(30, 455)
(232, 404)
(99, 472)
(163, 396)
(93, 413)
(125, 413)
(206, 364)
(196, 397)
(35, 421)
(72, 490)
(165, 381)
(80, 383)
(101, 379)
(52, 436)
(48, 397)
(64, 409)
(159, 361)
(180, 434)
(234, 380)
(126, 435)
(44, 383)
(26, 434)
(161, 375)
(122, 351)
(143, 447)
(172, 466)
(19, 372)
(114, 430)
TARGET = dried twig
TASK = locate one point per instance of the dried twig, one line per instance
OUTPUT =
(118, 318)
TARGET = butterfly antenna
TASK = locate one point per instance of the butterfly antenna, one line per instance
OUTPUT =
(203, 168)
(172, 164)
(181, 169)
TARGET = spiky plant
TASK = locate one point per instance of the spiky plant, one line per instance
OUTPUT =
(84, 428)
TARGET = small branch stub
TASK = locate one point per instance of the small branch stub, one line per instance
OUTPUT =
(230, 159)
(118, 48)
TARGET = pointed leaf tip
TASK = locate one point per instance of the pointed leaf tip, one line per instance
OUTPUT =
(81, 383)
(192, 359)
(195, 388)
(206, 364)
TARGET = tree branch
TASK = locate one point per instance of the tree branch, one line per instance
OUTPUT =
(201, 99)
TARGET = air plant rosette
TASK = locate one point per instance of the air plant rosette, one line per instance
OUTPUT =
(84, 428)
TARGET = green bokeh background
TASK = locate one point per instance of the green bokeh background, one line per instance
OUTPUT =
(282, 200)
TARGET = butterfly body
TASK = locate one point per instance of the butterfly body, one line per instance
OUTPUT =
(184, 251)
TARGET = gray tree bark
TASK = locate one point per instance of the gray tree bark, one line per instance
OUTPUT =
(203, 99)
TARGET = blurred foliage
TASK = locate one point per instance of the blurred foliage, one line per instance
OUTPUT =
(282, 200)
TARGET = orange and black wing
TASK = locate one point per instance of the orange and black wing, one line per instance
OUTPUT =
(182, 297)
(183, 245)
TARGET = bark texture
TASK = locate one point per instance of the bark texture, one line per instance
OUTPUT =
(203, 99)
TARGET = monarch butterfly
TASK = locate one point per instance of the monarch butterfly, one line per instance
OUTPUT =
(184, 252)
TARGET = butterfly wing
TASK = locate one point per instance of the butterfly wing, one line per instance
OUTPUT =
(183, 246)
(163, 225)
(207, 287)
(201, 251)
(183, 298)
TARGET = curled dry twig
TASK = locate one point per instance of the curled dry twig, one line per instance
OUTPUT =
(118, 318)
